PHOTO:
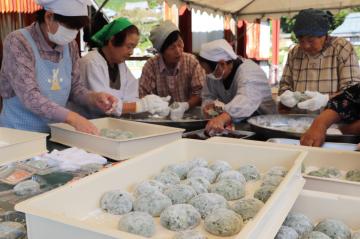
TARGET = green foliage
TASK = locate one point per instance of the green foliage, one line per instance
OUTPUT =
(339, 18)
(287, 23)
(357, 50)
(140, 17)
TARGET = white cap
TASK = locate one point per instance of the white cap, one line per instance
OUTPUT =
(159, 34)
(217, 50)
(69, 8)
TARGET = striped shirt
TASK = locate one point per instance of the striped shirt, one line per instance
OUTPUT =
(18, 73)
(186, 79)
(335, 68)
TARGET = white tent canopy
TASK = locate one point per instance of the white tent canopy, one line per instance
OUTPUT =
(250, 9)
(350, 27)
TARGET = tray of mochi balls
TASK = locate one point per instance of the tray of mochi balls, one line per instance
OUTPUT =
(319, 215)
(186, 189)
(195, 199)
(214, 193)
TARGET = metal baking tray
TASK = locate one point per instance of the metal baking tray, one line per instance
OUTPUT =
(293, 126)
(202, 135)
(193, 119)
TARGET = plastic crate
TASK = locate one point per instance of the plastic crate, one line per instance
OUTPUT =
(73, 211)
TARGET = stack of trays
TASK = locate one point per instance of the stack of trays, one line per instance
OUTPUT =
(73, 211)
(147, 137)
(18, 145)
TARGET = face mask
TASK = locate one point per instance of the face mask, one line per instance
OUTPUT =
(63, 35)
(212, 76)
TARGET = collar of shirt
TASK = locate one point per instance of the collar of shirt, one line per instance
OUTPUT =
(164, 69)
(43, 44)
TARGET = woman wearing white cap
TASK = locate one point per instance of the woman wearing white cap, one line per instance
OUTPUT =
(40, 71)
(172, 72)
(238, 86)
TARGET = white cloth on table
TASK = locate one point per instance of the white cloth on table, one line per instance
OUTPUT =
(71, 159)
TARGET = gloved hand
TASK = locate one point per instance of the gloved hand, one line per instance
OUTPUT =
(117, 111)
(153, 104)
(316, 101)
(177, 110)
(289, 98)
(219, 106)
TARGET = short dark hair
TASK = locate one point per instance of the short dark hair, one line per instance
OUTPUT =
(211, 64)
(173, 37)
(119, 38)
(73, 22)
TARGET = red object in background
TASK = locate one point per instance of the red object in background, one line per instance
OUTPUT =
(228, 34)
(18, 6)
(253, 40)
(275, 41)
(241, 38)
(185, 27)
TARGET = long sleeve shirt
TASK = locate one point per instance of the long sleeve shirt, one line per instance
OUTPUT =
(186, 80)
(18, 74)
(94, 71)
(334, 69)
(249, 91)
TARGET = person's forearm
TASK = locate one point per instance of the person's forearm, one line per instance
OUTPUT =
(225, 117)
(194, 100)
(71, 117)
(129, 108)
(326, 118)
(353, 128)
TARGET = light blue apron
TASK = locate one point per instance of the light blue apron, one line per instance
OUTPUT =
(54, 81)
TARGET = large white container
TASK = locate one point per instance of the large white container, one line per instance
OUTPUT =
(72, 211)
(319, 206)
(19, 145)
(148, 136)
(318, 157)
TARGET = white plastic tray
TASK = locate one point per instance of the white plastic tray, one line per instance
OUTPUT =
(148, 136)
(319, 206)
(19, 145)
(72, 212)
(326, 145)
(318, 157)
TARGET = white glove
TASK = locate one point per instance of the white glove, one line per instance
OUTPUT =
(289, 98)
(153, 104)
(316, 101)
(178, 109)
(219, 105)
(118, 109)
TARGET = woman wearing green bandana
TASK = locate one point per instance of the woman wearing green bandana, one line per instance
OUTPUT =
(104, 69)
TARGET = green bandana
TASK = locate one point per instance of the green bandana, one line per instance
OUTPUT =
(110, 30)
